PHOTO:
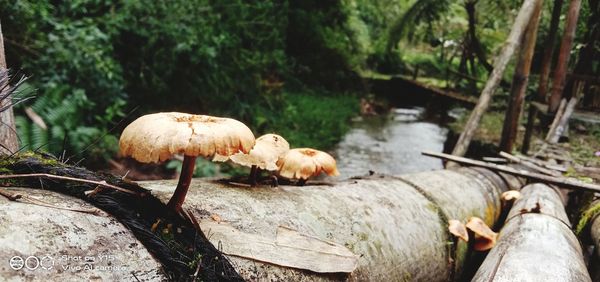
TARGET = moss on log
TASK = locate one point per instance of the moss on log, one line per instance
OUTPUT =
(396, 225)
(536, 242)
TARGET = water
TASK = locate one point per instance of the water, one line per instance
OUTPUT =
(390, 144)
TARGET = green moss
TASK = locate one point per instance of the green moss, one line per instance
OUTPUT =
(586, 218)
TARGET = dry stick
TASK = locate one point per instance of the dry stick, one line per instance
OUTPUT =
(29, 200)
(559, 113)
(561, 181)
(530, 165)
(564, 120)
(51, 176)
(519, 83)
(511, 44)
(541, 163)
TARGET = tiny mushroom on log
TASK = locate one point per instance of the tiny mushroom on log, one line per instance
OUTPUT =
(268, 149)
(485, 238)
(510, 196)
(458, 229)
(304, 163)
(157, 137)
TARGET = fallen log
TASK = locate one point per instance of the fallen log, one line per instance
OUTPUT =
(395, 227)
(58, 242)
(536, 242)
(561, 181)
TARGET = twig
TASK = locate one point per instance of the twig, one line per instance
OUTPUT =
(529, 164)
(26, 199)
(561, 181)
(10, 196)
(46, 175)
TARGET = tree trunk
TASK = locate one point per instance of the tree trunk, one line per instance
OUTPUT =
(8, 135)
(544, 74)
(519, 84)
(511, 44)
(536, 242)
(560, 72)
(396, 226)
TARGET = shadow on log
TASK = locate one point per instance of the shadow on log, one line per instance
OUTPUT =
(536, 242)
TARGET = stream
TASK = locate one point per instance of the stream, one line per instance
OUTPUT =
(391, 143)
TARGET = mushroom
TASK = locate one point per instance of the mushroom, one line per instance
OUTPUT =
(303, 163)
(510, 196)
(268, 149)
(458, 229)
(157, 137)
(485, 238)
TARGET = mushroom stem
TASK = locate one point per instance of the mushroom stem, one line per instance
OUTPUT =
(187, 171)
(253, 175)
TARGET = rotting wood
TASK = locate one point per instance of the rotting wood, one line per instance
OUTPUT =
(519, 83)
(536, 243)
(398, 230)
(561, 181)
(511, 44)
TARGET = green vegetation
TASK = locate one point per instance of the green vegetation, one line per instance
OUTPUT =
(290, 67)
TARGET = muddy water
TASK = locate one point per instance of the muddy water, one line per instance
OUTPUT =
(391, 144)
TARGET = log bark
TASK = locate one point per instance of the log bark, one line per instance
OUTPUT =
(536, 243)
(511, 44)
(519, 83)
(8, 134)
(560, 72)
(67, 245)
(396, 226)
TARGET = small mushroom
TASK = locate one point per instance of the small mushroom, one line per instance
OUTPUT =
(268, 149)
(304, 163)
(510, 196)
(157, 137)
(458, 229)
(485, 238)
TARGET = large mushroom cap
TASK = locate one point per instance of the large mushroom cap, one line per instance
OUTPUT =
(156, 137)
(268, 149)
(305, 162)
(485, 238)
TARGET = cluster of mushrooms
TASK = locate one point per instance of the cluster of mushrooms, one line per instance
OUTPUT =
(157, 137)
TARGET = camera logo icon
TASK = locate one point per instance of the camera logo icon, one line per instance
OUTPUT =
(16, 262)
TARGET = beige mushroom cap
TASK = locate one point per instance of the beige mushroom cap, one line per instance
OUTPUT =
(156, 137)
(485, 238)
(458, 229)
(268, 149)
(305, 162)
(511, 195)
